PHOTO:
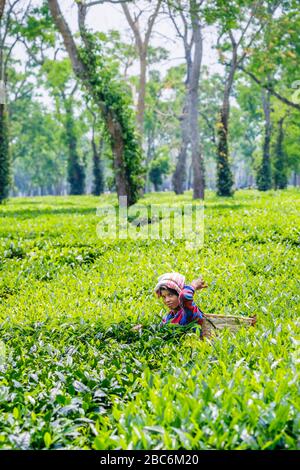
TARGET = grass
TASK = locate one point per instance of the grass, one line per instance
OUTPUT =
(72, 373)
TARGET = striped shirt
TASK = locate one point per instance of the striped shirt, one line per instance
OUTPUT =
(187, 311)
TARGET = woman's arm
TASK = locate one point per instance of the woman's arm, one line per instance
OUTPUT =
(187, 293)
(186, 300)
(186, 297)
(199, 284)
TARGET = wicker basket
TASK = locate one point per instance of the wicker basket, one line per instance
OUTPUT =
(212, 323)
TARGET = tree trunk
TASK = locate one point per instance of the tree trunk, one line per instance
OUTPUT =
(76, 173)
(156, 186)
(295, 179)
(264, 177)
(98, 183)
(142, 93)
(2, 6)
(197, 160)
(179, 175)
(224, 174)
(280, 174)
(190, 177)
(4, 155)
(190, 115)
(4, 145)
(142, 48)
(149, 157)
(125, 148)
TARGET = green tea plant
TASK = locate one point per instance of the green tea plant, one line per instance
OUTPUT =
(74, 375)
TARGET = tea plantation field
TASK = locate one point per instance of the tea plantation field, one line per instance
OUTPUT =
(74, 376)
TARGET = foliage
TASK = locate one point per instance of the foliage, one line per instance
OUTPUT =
(59, 80)
(292, 141)
(114, 98)
(274, 55)
(37, 27)
(72, 373)
(264, 175)
(38, 148)
(159, 166)
(280, 164)
(246, 127)
(5, 175)
(224, 174)
(76, 169)
(164, 99)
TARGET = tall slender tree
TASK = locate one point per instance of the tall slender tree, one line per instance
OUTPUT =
(97, 151)
(186, 20)
(76, 170)
(197, 159)
(239, 23)
(89, 67)
(63, 87)
(6, 47)
(264, 175)
(272, 64)
(4, 151)
(142, 45)
(280, 163)
(2, 6)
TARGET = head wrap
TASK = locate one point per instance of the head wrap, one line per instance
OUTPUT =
(172, 281)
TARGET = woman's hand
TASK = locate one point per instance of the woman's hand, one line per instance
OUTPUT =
(198, 284)
(137, 328)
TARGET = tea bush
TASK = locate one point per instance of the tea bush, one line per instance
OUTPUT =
(74, 375)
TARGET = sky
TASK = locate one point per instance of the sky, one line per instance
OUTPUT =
(111, 16)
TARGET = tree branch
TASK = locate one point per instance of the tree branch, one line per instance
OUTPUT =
(184, 37)
(248, 23)
(8, 21)
(74, 89)
(56, 52)
(10, 50)
(233, 42)
(151, 23)
(29, 52)
(2, 6)
(100, 2)
(134, 26)
(175, 24)
(17, 92)
(240, 60)
(210, 126)
(69, 42)
(269, 88)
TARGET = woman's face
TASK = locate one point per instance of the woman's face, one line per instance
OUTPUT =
(170, 299)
